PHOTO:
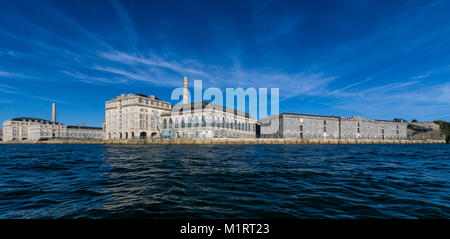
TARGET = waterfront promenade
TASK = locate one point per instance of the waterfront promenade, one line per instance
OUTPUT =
(229, 141)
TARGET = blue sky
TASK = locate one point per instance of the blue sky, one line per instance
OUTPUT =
(371, 58)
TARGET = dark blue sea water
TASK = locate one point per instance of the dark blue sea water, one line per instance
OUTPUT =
(261, 181)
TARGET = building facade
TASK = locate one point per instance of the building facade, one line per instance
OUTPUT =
(304, 126)
(132, 116)
(207, 120)
(19, 129)
(84, 133)
(33, 129)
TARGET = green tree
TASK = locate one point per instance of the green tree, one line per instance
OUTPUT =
(445, 128)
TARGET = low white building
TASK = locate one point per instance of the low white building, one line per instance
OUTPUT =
(31, 129)
(34, 129)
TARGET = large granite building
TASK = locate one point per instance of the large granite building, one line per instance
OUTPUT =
(34, 129)
(304, 126)
(131, 116)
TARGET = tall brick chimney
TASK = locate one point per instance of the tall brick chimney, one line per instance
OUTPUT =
(53, 112)
(185, 90)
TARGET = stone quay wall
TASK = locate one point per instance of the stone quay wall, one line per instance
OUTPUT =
(229, 141)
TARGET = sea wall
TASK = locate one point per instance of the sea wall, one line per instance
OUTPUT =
(230, 141)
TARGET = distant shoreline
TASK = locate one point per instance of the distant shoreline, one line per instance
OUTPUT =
(229, 141)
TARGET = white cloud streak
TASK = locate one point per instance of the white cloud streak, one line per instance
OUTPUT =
(8, 89)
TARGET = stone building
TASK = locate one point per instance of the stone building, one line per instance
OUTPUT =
(305, 126)
(131, 116)
(84, 132)
(204, 119)
(424, 131)
(34, 129)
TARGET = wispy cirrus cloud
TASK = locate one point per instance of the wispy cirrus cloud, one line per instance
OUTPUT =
(126, 21)
(127, 76)
(124, 67)
(93, 79)
(412, 99)
(379, 63)
(291, 85)
(7, 89)
(422, 76)
(308, 83)
(12, 90)
(154, 61)
(5, 74)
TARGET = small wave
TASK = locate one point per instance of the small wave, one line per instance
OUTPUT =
(214, 181)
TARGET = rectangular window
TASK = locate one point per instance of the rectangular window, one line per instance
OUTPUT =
(358, 131)
(301, 135)
(324, 122)
(301, 127)
(325, 129)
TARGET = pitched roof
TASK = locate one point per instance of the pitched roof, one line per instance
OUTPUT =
(83, 127)
(37, 120)
(204, 104)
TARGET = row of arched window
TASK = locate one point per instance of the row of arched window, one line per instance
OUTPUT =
(215, 123)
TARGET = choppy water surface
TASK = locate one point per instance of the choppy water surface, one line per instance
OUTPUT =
(261, 181)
